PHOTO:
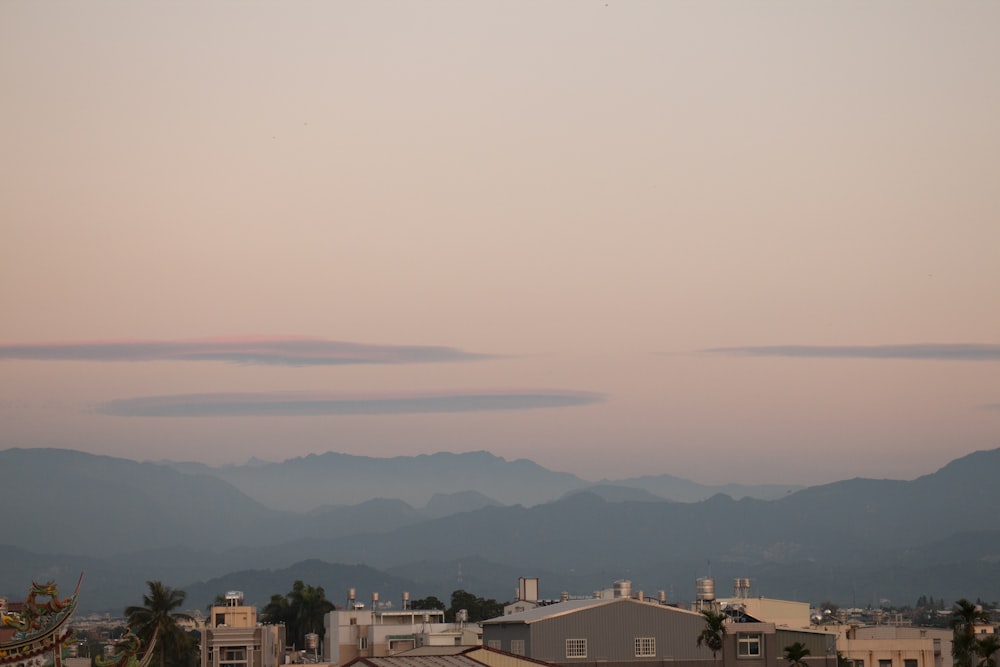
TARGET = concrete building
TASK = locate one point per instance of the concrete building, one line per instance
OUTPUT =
(624, 631)
(783, 613)
(359, 632)
(232, 637)
(894, 646)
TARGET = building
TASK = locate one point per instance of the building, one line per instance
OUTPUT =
(360, 632)
(525, 597)
(783, 613)
(624, 631)
(894, 646)
(232, 637)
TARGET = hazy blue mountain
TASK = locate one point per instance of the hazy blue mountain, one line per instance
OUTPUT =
(128, 522)
(444, 504)
(320, 480)
(342, 479)
(686, 491)
(378, 515)
(614, 493)
(100, 506)
(73, 502)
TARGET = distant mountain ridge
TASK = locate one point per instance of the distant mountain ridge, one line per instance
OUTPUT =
(343, 479)
(124, 522)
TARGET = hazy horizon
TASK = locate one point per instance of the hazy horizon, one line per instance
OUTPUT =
(755, 243)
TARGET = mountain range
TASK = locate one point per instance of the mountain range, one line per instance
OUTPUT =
(432, 524)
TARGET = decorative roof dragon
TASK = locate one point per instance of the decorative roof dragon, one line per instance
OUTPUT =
(126, 652)
(33, 634)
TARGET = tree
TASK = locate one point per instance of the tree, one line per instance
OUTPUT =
(158, 617)
(429, 602)
(714, 631)
(478, 609)
(985, 648)
(301, 610)
(964, 618)
(795, 654)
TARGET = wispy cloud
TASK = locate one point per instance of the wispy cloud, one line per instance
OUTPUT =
(273, 350)
(300, 404)
(934, 351)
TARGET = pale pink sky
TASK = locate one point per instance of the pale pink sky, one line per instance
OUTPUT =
(533, 219)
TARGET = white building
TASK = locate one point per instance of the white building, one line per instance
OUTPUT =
(358, 632)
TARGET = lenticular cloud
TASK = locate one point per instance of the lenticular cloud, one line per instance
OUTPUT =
(284, 351)
(303, 404)
(929, 351)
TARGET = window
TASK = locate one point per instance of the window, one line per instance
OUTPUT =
(645, 647)
(232, 656)
(885, 663)
(909, 662)
(363, 642)
(493, 643)
(517, 646)
(576, 648)
(748, 645)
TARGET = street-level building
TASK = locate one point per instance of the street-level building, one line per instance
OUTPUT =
(371, 633)
(624, 631)
(894, 646)
(232, 637)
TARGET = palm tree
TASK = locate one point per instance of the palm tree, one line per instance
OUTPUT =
(714, 631)
(795, 654)
(985, 648)
(157, 617)
(963, 621)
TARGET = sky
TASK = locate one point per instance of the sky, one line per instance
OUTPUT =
(753, 242)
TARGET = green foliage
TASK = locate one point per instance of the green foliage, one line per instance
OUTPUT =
(158, 615)
(986, 648)
(301, 610)
(713, 632)
(795, 654)
(963, 620)
(479, 609)
(429, 602)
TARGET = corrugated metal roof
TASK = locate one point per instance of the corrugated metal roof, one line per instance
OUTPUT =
(569, 607)
(438, 650)
(423, 661)
(550, 610)
(449, 656)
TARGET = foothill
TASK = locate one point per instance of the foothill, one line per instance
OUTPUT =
(844, 575)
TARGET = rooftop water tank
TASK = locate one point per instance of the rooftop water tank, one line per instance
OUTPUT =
(705, 589)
